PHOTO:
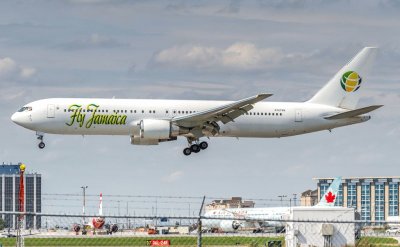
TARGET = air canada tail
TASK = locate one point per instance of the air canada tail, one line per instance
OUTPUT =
(343, 90)
(331, 194)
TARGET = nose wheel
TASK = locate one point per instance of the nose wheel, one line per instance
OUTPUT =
(41, 144)
(195, 148)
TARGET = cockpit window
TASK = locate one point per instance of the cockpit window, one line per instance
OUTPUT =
(25, 108)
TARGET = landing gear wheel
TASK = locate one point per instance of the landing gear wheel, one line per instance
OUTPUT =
(203, 145)
(41, 145)
(195, 148)
(187, 151)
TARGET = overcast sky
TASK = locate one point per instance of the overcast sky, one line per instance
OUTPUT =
(224, 50)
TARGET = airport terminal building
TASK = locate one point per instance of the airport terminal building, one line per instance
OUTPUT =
(375, 198)
(9, 186)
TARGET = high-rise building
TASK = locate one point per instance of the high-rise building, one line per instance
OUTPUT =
(9, 186)
(375, 198)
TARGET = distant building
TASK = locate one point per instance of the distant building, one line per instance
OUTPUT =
(9, 186)
(309, 198)
(375, 198)
(234, 202)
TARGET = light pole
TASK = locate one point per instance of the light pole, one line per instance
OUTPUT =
(282, 196)
(84, 201)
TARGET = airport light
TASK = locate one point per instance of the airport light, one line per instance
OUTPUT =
(84, 200)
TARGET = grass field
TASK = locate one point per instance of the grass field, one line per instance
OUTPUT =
(377, 242)
(177, 241)
(142, 241)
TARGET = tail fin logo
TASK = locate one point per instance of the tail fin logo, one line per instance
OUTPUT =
(330, 198)
(350, 81)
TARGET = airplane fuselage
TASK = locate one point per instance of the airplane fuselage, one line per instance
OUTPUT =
(84, 116)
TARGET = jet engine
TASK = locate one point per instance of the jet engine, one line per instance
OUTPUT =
(153, 131)
(229, 225)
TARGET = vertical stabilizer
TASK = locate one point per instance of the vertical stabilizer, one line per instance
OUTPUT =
(330, 196)
(343, 90)
(101, 205)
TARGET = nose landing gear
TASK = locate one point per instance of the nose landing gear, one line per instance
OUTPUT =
(195, 148)
(41, 144)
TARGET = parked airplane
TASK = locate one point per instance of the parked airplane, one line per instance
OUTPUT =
(96, 223)
(232, 219)
(149, 122)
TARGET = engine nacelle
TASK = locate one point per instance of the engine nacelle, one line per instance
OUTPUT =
(153, 131)
(229, 225)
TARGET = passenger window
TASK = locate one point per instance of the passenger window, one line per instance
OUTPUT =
(154, 111)
(142, 111)
(166, 112)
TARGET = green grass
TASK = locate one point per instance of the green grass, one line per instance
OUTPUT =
(141, 241)
(377, 241)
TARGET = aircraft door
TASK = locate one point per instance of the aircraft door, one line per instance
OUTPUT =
(51, 111)
(298, 116)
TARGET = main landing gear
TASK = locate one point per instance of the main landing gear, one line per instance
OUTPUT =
(41, 144)
(195, 148)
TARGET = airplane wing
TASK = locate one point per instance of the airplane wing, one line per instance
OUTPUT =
(225, 113)
(354, 113)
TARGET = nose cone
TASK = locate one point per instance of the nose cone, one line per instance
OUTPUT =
(19, 119)
(14, 118)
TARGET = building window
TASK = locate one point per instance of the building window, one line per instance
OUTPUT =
(393, 199)
(380, 201)
(339, 199)
(352, 195)
(365, 201)
(323, 188)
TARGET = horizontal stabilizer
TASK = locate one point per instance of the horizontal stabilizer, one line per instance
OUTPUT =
(354, 113)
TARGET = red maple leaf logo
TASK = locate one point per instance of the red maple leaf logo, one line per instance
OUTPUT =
(330, 197)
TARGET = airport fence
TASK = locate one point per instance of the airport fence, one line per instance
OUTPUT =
(40, 229)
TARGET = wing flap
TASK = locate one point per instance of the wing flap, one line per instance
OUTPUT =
(225, 113)
(354, 113)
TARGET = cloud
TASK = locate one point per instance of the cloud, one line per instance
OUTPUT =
(173, 177)
(10, 69)
(232, 8)
(242, 56)
(92, 42)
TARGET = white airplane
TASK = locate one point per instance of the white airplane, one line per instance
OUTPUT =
(230, 220)
(149, 122)
(96, 223)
